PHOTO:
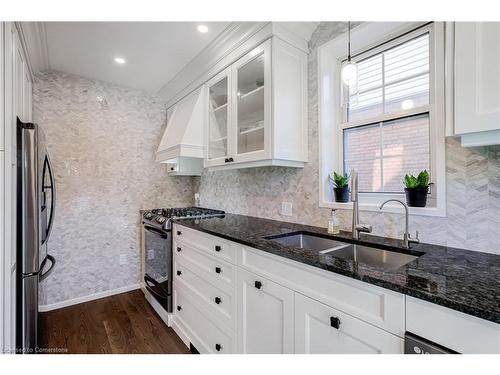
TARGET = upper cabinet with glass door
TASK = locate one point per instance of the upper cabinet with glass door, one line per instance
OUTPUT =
(217, 149)
(263, 120)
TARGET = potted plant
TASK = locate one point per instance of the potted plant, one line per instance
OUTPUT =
(340, 187)
(416, 189)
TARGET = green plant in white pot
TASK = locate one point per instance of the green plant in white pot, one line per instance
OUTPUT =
(416, 189)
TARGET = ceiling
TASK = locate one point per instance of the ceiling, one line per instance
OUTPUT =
(154, 51)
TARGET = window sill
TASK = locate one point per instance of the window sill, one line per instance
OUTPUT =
(390, 207)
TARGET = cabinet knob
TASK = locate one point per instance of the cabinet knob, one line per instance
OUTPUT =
(231, 160)
(218, 270)
(179, 308)
(218, 347)
(179, 249)
(218, 248)
(179, 232)
(217, 300)
(335, 322)
(226, 160)
(179, 273)
(258, 284)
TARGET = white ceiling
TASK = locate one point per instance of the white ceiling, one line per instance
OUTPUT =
(154, 51)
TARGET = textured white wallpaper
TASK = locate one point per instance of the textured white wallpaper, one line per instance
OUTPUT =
(473, 186)
(105, 173)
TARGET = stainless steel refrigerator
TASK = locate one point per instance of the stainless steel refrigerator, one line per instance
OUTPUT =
(36, 196)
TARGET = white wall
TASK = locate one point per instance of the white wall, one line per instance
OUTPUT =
(105, 172)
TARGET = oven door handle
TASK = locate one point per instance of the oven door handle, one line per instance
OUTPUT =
(159, 232)
(148, 280)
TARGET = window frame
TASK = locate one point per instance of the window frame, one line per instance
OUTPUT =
(371, 39)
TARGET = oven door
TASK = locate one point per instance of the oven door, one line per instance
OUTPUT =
(158, 265)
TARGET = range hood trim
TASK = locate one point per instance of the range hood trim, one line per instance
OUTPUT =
(187, 115)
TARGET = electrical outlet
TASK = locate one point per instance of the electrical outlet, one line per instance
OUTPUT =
(151, 254)
(286, 209)
(123, 259)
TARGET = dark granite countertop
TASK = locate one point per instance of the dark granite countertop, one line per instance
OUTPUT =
(463, 280)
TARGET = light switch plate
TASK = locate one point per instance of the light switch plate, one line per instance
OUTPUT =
(286, 208)
(123, 259)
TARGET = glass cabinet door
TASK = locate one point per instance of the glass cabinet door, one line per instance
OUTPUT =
(252, 88)
(218, 119)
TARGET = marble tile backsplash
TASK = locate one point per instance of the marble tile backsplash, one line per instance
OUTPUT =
(103, 156)
(473, 186)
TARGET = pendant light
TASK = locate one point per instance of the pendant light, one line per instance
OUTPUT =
(349, 72)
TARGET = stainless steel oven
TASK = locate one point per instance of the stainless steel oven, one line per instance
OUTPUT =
(157, 260)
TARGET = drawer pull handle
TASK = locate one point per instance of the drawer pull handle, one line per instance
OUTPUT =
(335, 322)
(217, 300)
(218, 248)
(258, 284)
(218, 347)
(179, 273)
(179, 232)
(179, 308)
(179, 249)
(218, 270)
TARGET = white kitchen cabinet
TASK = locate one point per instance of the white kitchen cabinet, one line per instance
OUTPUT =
(217, 119)
(321, 329)
(257, 110)
(265, 315)
(477, 82)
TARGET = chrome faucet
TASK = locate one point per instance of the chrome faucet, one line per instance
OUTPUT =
(407, 240)
(356, 226)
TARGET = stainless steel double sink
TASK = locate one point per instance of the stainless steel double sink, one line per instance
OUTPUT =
(389, 260)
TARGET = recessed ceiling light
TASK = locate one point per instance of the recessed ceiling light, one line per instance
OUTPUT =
(119, 60)
(202, 29)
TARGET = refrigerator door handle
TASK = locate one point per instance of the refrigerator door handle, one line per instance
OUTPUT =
(43, 275)
(48, 168)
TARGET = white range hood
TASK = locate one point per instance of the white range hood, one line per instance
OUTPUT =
(182, 142)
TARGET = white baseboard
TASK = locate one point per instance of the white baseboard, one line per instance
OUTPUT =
(90, 297)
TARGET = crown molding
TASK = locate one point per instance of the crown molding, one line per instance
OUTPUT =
(34, 40)
(187, 79)
(236, 40)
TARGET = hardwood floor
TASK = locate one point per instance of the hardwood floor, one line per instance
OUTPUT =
(123, 323)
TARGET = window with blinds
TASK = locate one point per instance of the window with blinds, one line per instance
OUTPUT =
(386, 130)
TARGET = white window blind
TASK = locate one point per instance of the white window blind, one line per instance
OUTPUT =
(391, 81)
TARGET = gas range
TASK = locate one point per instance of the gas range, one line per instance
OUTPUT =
(161, 218)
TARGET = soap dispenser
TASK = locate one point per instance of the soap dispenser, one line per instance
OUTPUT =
(333, 223)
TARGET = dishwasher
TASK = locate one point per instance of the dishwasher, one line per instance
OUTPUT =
(418, 345)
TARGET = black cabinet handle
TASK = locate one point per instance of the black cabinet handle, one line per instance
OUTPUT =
(258, 284)
(179, 273)
(226, 160)
(179, 232)
(217, 300)
(179, 249)
(335, 322)
(218, 248)
(218, 270)
(179, 308)
(218, 347)
(231, 160)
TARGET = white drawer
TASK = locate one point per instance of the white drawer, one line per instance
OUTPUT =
(378, 306)
(217, 271)
(452, 329)
(193, 323)
(218, 305)
(213, 245)
(320, 329)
